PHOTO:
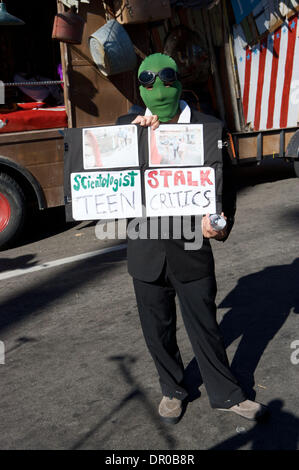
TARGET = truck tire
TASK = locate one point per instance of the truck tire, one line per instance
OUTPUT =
(12, 210)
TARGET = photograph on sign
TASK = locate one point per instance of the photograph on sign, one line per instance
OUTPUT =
(185, 191)
(176, 145)
(106, 195)
(110, 147)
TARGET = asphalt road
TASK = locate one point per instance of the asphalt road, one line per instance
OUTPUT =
(77, 374)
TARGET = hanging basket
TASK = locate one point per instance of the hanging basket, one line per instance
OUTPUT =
(112, 50)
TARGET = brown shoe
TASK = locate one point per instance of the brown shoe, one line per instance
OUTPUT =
(248, 409)
(171, 410)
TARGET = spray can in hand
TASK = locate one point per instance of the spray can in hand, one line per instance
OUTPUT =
(217, 222)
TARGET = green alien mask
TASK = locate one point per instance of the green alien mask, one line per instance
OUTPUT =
(161, 99)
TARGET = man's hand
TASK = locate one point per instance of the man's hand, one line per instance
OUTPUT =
(209, 232)
(147, 121)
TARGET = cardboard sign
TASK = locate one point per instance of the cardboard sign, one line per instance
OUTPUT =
(109, 174)
(176, 145)
(106, 195)
(180, 191)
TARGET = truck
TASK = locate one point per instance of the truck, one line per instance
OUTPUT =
(238, 60)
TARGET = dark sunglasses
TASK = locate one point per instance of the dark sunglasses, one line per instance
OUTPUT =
(167, 75)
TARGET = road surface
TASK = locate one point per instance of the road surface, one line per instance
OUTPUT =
(77, 374)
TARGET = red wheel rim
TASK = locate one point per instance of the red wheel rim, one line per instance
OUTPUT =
(5, 212)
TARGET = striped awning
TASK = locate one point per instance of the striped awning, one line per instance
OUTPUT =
(269, 77)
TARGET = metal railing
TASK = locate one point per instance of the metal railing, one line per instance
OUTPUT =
(45, 83)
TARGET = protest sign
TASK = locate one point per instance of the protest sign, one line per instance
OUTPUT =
(184, 191)
(106, 195)
(169, 182)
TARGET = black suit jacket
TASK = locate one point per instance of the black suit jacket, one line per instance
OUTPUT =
(146, 258)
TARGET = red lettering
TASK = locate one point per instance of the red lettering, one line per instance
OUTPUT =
(179, 177)
(155, 183)
(204, 177)
(165, 173)
(190, 180)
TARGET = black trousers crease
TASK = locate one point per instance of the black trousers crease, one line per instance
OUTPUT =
(157, 310)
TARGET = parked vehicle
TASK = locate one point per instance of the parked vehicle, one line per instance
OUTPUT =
(243, 69)
(31, 118)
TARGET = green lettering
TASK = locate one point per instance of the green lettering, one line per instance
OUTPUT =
(132, 174)
(126, 180)
(76, 186)
(115, 186)
(83, 182)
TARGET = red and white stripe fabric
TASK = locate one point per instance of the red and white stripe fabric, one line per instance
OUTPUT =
(269, 77)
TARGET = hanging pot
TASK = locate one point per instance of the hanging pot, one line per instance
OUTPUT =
(68, 27)
(112, 50)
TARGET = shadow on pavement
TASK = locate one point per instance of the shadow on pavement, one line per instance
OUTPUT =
(93, 223)
(36, 299)
(125, 364)
(279, 432)
(33, 301)
(20, 262)
(268, 171)
(260, 305)
(44, 224)
(289, 215)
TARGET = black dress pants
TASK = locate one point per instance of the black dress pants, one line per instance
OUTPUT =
(157, 310)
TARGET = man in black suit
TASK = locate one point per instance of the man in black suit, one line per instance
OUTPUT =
(162, 268)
